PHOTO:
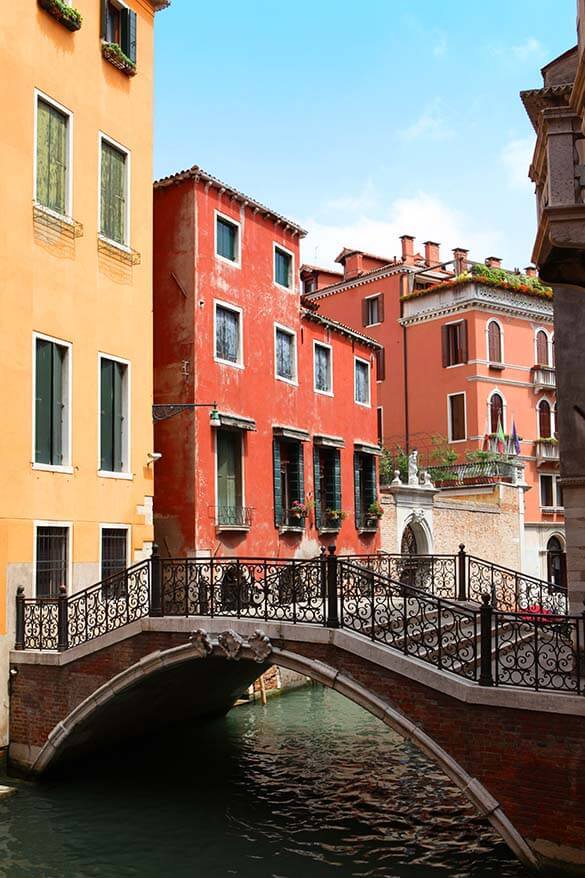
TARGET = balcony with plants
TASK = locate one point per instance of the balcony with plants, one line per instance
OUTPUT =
(67, 15)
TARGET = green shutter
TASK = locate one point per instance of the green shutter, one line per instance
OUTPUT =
(228, 475)
(301, 473)
(107, 415)
(277, 482)
(337, 479)
(118, 417)
(51, 157)
(370, 480)
(128, 33)
(43, 126)
(113, 193)
(357, 493)
(43, 402)
(104, 19)
(316, 486)
(58, 356)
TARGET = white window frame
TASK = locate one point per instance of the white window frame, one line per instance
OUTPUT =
(67, 437)
(239, 311)
(501, 361)
(553, 418)
(549, 345)
(555, 491)
(102, 136)
(45, 523)
(496, 392)
(115, 526)
(275, 247)
(323, 344)
(217, 214)
(40, 95)
(279, 327)
(367, 363)
(449, 424)
(126, 473)
(367, 299)
(216, 479)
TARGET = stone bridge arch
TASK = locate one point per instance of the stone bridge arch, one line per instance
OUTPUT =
(238, 659)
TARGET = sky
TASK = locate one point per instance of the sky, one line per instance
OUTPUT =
(363, 121)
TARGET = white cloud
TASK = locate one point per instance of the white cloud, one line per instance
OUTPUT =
(516, 156)
(430, 124)
(440, 47)
(530, 47)
(423, 215)
(365, 199)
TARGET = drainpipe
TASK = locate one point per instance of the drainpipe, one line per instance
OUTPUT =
(404, 283)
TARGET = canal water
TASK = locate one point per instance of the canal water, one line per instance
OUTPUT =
(309, 786)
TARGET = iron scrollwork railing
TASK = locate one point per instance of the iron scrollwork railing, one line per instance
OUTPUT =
(512, 591)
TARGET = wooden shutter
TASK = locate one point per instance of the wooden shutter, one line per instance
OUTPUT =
(457, 416)
(544, 420)
(43, 138)
(445, 345)
(113, 193)
(118, 415)
(365, 312)
(106, 415)
(104, 19)
(57, 357)
(463, 341)
(43, 402)
(301, 473)
(128, 35)
(337, 479)
(105, 197)
(381, 308)
(51, 157)
(357, 494)
(381, 365)
(541, 348)
(276, 482)
(317, 485)
(370, 480)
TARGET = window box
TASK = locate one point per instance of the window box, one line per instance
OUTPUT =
(114, 54)
(68, 16)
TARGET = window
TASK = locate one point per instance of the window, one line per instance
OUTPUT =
(494, 342)
(119, 25)
(227, 239)
(289, 483)
(52, 560)
(556, 562)
(457, 426)
(380, 364)
(542, 357)
(114, 555)
(373, 310)
(454, 337)
(228, 334)
(496, 412)
(283, 263)
(53, 157)
(551, 496)
(51, 403)
(114, 445)
(544, 420)
(364, 487)
(308, 285)
(323, 372)
(230, 510)
(114, 193)
(362, 382)
(327, 485)
(285, 355)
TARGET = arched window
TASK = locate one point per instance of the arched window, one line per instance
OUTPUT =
(556, 562)
(496, 412)
(542, 358)
(544, 420)
(494, 342)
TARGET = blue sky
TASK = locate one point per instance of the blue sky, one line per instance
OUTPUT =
(363, 121)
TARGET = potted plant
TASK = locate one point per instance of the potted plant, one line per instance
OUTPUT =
(298, 510)
(374, 513)
(114, 54)
(67, 15)
(334, 517)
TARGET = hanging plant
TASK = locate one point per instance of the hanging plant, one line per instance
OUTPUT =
(67, 15)
(114, 54)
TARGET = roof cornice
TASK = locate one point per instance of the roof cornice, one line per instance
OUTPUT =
(341, 328)
(360, 281)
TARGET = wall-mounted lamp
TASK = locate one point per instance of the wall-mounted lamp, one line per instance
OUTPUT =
(162, 412)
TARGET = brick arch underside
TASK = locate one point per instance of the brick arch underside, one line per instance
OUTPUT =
(153, 693)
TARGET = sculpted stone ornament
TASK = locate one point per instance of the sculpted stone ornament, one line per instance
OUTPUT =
(260, 646)
(230, 644)
(413, 468)
(396, 480)
(201, 643)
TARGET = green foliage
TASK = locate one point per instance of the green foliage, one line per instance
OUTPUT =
(482, 456)
(114, 53)
(392, 459)
(66, 14)
(375, 510)
(438, 454)
(500, 276)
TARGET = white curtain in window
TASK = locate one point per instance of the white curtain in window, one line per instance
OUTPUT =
(322, 368)
(284, 355)
(227, 335)
(362, 390)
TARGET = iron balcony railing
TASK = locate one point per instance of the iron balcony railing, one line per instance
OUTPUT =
(483, 472)
(463, 615)
(234, 516)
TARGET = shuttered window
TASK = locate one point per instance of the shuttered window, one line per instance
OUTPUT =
(327, 485)
(542, 357)
(373, 310)
(454, 343)
(289, 482)
(119, 25)
(113, 421)
(113, 193)
(50, 403)
(322, 366)
(226, 239)
(457, 417)
(285, 355)
(544, 420)
(51, 560)
(52, 157)
(362, 382)
(380, 365)
(229, 477)
(282, 268)
(364, 486)
(496, 406)
(494, 342)
(114, 550)
(227, 334)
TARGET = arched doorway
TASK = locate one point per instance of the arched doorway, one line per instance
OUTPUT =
(409, 545)
(556, 562)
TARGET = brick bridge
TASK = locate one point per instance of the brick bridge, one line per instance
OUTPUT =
(489, 692)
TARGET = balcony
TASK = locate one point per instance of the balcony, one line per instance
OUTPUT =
(543, 378)
(234, 517)
(481, 473)
(547, 451)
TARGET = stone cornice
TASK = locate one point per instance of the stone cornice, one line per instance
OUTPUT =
(475, 296)
(360, 281)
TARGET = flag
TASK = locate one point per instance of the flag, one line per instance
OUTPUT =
(500, 438)
(515, 440)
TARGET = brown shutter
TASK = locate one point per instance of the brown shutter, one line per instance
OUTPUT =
(364, 312)
(381, 365)
(381, 307)
(445, 343)
(458, 417)
(463, 341)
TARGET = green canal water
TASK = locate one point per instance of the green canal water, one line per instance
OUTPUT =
(310, 786)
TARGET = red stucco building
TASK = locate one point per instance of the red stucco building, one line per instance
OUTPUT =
(279, 456)
(467, 347)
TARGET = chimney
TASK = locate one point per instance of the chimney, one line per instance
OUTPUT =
(432, 255)
(531, 271)
(493, 262)
(407, 249)
(352, 265)
(460, 259)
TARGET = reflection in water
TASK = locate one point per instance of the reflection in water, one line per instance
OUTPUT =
(308, 786)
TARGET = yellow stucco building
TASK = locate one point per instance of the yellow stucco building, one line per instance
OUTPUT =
(76, 480)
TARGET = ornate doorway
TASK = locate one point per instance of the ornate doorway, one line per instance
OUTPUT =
(409, 544)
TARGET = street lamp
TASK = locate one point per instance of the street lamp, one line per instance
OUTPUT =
(164, 411)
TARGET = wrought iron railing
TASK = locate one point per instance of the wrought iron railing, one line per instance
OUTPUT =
(452, 612)
(234, 516)
(484, 472)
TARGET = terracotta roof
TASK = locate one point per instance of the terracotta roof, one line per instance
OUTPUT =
(309, 267)
(160, 4)
(537, 99)
(197, 173)
(347, 251)
(361, 279)
(336, 326)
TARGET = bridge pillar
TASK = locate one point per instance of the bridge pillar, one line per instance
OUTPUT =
(332, 590)
(156, 608)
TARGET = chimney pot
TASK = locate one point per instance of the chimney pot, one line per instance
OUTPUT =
(407, 248)
(493, 262)
(432, 253)
(460, 259)
(531, 271)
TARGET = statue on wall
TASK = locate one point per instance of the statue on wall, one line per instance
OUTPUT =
(413, 468)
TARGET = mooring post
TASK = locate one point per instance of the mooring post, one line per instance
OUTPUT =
(462, 574)
(332, 589)
(485, 641)
(155, 583)
(19, 641)
(62, 622)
